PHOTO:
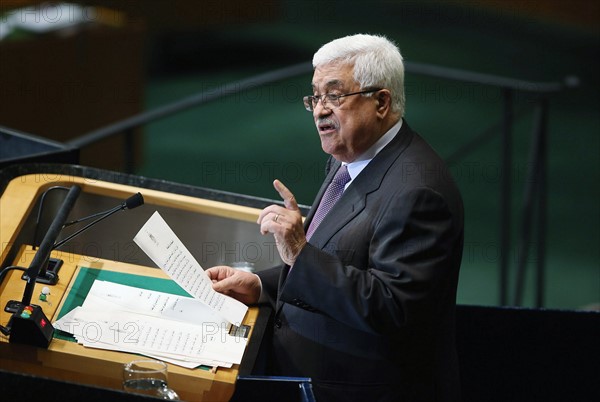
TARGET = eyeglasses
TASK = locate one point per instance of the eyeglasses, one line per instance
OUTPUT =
(330, 100)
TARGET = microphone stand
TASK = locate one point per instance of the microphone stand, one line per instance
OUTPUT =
(41, 257)
(49, 273)
(28, 324)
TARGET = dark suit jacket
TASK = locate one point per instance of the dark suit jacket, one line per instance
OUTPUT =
(368, 309)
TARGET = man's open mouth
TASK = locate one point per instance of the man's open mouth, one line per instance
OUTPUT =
(327, 125)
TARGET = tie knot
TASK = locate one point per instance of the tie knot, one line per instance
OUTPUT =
(341, 176)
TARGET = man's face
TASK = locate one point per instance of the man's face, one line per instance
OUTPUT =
(350, 129)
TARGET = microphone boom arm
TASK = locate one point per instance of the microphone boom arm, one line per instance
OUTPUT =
(86, 227)
(132, 202)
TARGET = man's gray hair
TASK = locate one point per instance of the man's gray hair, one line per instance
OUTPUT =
(377, 63)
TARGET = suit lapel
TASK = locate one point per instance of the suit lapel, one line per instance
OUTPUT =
(353, 200)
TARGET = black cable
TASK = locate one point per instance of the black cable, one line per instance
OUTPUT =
(9, 268)
(6, 330)
(39, 214)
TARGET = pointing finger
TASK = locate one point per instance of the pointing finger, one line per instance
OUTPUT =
(288, 198)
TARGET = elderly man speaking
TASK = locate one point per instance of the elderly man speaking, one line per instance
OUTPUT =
(365, 301)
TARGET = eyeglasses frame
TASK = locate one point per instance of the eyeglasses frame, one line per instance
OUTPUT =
(308, 100)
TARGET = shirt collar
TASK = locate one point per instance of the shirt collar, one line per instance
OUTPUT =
(355, 167)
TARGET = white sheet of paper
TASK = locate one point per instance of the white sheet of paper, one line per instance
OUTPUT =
(105, 295)
(163, 247)
(87, 329)
(134, 333)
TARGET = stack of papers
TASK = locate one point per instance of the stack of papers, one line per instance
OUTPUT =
(187, 331)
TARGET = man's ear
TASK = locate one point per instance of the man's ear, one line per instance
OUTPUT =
(384, 102)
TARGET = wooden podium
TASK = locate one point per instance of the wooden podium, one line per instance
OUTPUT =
(66, 360)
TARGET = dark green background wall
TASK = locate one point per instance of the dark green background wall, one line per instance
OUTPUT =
(240, 143)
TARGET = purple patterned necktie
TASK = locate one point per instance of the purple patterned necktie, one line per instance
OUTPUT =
(330, 197)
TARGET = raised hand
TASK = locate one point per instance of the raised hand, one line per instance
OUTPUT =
(285, 223)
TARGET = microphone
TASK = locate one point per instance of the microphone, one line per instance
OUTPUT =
(48, 274)
(132, 202)
(28, 324)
